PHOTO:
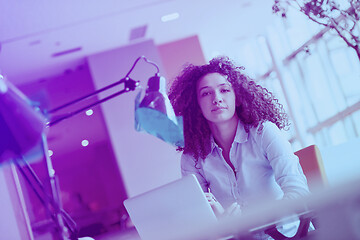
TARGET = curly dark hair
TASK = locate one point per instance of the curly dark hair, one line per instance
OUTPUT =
(255, 104)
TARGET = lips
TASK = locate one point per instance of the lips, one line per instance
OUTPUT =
(218, 109)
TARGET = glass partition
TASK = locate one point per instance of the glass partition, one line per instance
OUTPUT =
(318, 82)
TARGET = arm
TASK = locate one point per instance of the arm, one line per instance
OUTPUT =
(285, 164)
(188, 166)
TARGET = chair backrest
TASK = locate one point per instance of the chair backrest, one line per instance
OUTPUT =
(313, 167)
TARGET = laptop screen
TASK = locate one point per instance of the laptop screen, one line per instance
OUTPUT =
(176, 210)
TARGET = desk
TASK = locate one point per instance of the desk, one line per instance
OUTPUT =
(337, 210)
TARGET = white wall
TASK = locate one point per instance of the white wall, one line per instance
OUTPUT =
(145, 162)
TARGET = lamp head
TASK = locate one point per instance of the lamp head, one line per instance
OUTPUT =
(155, 115)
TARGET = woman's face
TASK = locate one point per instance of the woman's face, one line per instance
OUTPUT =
(216, 98)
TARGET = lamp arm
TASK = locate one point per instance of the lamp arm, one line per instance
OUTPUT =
(146, 60)
(130, 85)
(86, 96)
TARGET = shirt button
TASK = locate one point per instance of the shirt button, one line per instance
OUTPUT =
(234, 184)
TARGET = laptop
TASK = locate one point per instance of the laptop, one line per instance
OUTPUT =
(176, 211)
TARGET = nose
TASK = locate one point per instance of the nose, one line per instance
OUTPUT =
(217, 99)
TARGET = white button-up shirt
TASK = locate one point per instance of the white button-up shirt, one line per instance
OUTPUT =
(265, 165)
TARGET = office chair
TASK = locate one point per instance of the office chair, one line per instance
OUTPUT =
(313, 167)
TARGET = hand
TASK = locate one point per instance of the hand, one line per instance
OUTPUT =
(215, 205)
(233, 210)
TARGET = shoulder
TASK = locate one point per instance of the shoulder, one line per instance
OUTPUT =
(187, 159)
(264, 128)
(189, 164)
(266, 133)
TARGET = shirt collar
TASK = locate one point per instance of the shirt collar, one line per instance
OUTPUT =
(241, 136)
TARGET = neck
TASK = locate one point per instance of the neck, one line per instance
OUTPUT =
(224, 133)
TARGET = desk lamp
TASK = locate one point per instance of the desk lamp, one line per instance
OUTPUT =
(153, 114)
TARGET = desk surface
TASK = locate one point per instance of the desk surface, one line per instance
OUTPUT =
(330, 205)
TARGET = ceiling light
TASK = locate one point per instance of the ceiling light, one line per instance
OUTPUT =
(84, 142)
(170, 17)
(89, 112)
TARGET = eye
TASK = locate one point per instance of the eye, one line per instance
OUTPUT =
(225, 90)
(205, 93)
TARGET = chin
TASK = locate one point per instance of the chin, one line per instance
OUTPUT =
(221, 120)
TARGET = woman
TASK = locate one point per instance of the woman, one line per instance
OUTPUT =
(233, 142)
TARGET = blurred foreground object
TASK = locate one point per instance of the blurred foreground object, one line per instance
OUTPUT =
(22, 129)
(21, 125)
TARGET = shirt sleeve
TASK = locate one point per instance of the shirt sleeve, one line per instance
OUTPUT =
(285, 164)
(188, 166)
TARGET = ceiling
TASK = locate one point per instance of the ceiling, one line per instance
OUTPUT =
(44, 38)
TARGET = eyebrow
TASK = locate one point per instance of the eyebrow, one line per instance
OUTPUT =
(222, 84)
